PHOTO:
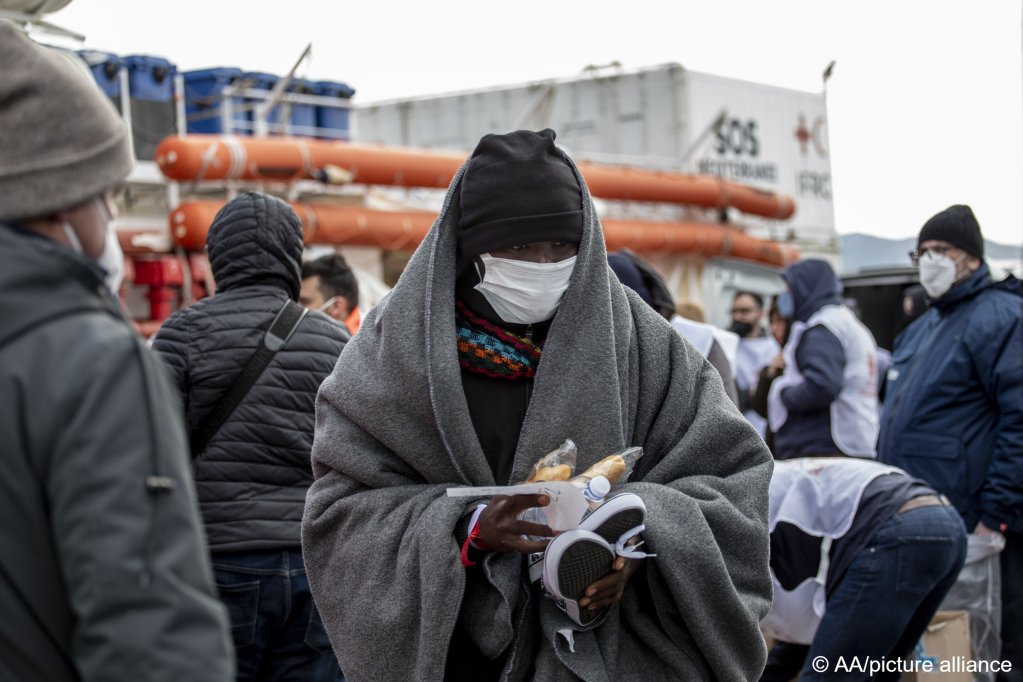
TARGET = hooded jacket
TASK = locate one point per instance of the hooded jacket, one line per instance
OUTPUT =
(103, 571)
(953, 414)
(394, 432)
(832, 401)
(252, 477)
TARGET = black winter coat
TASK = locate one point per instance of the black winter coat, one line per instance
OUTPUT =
(252, 477)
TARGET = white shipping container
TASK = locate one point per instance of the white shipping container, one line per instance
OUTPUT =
(664, 117)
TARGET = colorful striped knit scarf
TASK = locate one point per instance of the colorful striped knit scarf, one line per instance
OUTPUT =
(487, 349)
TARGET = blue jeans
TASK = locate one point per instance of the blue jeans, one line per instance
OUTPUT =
(883, 603)
(890, 592)
(278, 634)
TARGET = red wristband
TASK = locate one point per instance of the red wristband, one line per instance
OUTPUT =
(472, 542)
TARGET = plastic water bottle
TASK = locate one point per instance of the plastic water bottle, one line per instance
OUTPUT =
(596, 490)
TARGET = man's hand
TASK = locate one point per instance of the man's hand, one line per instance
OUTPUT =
(501, 530)
(609, 589)
(981, 529)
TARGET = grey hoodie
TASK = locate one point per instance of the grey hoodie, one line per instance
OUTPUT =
(393, 431)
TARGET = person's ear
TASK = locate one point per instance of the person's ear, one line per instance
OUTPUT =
(342, 308)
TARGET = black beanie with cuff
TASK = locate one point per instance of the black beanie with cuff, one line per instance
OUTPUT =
(518, 189)
(956, 225)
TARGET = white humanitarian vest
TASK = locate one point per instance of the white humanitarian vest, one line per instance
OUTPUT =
(820, 496)
(855, 416)
(699, 334)
(751, 357)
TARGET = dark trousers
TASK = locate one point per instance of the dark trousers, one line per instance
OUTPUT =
(883, 603)
(278, 634)
(1012, 606)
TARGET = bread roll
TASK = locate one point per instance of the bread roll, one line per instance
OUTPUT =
(612, 467)
(559, 472)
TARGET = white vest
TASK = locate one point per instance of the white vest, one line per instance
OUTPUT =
(752, 356)
(697, 333)
(855, 418)
(820, 496)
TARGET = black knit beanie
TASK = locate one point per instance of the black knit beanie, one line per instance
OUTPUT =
(518, 189)
(957, 226)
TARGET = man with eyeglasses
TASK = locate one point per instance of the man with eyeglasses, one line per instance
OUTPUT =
(954, 409)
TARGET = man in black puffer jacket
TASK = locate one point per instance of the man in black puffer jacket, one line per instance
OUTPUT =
(253, 474)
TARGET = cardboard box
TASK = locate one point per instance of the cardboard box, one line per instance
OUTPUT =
(946, 643)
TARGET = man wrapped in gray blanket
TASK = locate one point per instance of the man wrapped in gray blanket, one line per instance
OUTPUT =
(505, 335)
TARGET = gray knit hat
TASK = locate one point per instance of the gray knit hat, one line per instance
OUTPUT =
(61, 140)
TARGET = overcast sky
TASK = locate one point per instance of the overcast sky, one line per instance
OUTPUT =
(925, 104)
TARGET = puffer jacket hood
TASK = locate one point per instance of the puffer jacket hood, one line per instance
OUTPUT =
(253, 475)
(813, 285)
(256, 239)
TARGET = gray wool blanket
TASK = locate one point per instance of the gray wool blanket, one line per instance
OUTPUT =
(393, 432)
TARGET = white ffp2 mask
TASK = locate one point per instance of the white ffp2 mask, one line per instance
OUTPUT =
(112, 258)
(521, 292)
(937, 273)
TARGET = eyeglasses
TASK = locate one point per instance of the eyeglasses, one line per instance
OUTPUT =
(744, 311)
(915, 256)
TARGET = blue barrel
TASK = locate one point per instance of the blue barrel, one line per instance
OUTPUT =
(106, 68)
(204, 101)
(333, 121)
(303, 116)
(258, 80)
(153, 113)
(150, 78)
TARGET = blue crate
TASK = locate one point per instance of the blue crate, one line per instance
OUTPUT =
(303, 116)
(153, 111)
(302, 119)
(333, 122)
(258, 80)
(203, 101)
(106, 68)
(150, 78)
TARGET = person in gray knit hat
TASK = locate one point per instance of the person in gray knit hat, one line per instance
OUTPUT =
(103, 565)
(507, 334)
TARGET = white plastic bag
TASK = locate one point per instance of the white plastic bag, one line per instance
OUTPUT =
(978, 590)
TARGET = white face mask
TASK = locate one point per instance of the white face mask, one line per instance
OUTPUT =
(521, 292)
(112, 258)
(937, 273)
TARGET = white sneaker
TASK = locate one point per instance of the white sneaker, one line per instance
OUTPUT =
(573, 561)
(617, 520)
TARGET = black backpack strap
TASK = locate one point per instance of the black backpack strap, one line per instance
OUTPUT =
(275, 338)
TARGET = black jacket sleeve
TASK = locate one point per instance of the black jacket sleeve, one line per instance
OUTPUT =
(172, 346)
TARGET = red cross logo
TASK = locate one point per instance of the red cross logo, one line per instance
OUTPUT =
(802, 134)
